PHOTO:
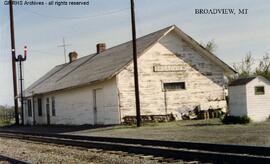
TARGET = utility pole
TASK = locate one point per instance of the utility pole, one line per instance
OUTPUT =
(64, 45)
(20, 59)
(136, 81)
(12, 34)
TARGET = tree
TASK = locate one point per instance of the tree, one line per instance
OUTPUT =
(263, 68)
(211, 46)
(247, 67)
(244, 69)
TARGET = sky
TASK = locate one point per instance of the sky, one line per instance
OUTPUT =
(42, 29)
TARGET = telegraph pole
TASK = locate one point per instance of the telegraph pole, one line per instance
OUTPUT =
(12, 34)
(136, 81)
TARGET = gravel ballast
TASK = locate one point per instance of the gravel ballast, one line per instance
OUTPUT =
(31, 152)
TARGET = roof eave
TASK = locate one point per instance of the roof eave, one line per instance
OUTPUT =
(198, 47)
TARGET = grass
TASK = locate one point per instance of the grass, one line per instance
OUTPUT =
(209, 131)
(4, 123)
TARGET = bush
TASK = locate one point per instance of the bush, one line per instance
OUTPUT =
(235, 119)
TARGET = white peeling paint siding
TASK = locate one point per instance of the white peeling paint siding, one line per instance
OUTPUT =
(203, 90)
(237, 100)
(75, 106)
(28, 120)
(258, 105)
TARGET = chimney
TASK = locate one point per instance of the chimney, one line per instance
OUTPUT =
(101, 47)
(72, 56)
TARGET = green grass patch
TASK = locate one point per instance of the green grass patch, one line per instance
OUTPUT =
(4, 123)
(209, 131)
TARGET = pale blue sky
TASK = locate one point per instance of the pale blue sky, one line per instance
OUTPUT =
(42, 30)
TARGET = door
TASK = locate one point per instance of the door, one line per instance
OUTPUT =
(48, 111)
(98, 107)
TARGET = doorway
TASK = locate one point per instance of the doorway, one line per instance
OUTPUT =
(98, 107)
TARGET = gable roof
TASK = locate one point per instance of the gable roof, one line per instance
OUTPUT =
(99, 67)
(242, 81)
(246, 80)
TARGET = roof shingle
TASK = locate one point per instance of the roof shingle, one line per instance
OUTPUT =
(242, 81)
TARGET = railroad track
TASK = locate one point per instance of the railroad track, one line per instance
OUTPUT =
(188, 151)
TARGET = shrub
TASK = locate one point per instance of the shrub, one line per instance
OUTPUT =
(235, 119)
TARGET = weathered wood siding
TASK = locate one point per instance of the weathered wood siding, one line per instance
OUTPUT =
(258, 105)
(28, 120)
(204, 80)
(75, 106)
(238, 100)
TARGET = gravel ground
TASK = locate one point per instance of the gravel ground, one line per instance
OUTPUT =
(31, 152)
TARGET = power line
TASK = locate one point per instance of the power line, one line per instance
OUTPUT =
(44, 52)
(83, 17)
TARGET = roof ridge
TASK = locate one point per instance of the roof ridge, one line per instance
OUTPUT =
(139, 38)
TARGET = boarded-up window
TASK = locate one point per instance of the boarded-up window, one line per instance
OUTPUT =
(29, 106)
(174, 86)
(53, 106)
(259, 90)
(39, 107)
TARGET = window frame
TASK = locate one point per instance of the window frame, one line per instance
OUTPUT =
(29, 108)
(259, 93)
(175, 88)
(47, 103)
(53, 106)
(39, 102)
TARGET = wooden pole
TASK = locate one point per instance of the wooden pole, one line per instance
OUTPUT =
(136, 81)
(12, 34)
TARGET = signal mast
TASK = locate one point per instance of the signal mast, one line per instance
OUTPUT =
(21, 59)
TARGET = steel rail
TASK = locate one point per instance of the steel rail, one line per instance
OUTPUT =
(237, 149)
(160, 151)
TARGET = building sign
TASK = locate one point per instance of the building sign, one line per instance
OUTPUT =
(169, 68)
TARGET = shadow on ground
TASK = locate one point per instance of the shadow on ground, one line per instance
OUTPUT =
(197, 125)
(4, 159)
(54, 128)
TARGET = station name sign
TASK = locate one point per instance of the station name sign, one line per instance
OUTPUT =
(169, 68)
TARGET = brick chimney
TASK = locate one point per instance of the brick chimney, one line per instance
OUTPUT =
(101, 47)
(72, 56)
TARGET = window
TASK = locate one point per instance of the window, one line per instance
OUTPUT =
(48, 106)
(39, 107)
(53, 106)
(259, 90)
(29, 106)
(174, 86)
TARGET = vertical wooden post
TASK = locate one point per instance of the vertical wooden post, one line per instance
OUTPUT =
(13, 61)
(136, 81)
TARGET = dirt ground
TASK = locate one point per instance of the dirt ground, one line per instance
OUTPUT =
(16, 151)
